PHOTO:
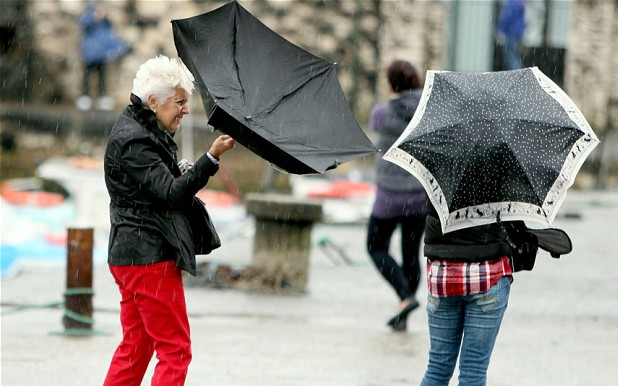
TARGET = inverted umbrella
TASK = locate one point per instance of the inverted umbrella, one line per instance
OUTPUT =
(483, 144)
(276, 99)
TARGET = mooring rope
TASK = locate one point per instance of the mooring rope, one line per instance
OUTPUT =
(72, 315)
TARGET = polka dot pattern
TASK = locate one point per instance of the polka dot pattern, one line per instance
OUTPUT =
(483, 143)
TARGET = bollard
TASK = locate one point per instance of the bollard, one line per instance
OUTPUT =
(78, 311)
(282, 240)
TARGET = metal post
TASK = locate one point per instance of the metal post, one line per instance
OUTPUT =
(78, 296)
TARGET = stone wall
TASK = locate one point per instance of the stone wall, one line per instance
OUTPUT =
(591, 81)
(362, 36)
(413, 31)
(592, 62)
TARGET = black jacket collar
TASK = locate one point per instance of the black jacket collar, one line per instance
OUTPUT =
(148, 119)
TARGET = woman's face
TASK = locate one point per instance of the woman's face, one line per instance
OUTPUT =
(170, 113)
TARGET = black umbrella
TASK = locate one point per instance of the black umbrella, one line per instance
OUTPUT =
(483, 144)
(276, 99)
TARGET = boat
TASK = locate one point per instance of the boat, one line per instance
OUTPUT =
(32, 191)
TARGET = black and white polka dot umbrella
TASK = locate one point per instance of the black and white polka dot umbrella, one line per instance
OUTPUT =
(508, 142)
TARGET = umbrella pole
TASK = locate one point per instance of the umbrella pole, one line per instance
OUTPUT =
(186, 139)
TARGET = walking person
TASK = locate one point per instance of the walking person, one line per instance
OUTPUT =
(469, 279)
(401, 201)
(151, 237)
(511, 26)
(99, 45)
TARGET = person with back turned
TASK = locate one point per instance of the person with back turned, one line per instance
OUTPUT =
(469, 277)
(400, 199)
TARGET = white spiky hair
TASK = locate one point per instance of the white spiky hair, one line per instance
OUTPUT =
(159, 77)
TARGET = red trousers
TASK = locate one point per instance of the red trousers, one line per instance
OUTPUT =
(153, 314)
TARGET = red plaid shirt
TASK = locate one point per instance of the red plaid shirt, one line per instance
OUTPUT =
(452, 278)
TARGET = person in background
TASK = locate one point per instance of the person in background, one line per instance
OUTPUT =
(469, 279)
(401, 201)
(151, 237)
(99, 45)
(511, 26)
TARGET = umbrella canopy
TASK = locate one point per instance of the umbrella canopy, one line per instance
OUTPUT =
(483, 144)
(276, 99)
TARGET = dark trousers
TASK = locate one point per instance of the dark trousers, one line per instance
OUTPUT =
(90, 70)
(403, 278)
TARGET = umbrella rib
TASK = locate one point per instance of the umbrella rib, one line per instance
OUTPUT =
(236, 66)
(560, 97)
(522, 166)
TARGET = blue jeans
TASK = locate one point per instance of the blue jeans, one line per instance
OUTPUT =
(464, 326)
(512, 57)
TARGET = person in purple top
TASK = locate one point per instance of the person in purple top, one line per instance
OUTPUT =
(400, 199)
(512, 25)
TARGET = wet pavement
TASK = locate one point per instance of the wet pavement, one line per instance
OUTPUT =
(561, 327)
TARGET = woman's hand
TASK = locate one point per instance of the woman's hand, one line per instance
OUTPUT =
(221, 144)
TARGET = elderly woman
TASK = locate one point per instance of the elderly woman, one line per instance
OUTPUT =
(151, 239)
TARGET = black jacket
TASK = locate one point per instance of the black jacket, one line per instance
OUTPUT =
(149, 196)
(480, 243)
